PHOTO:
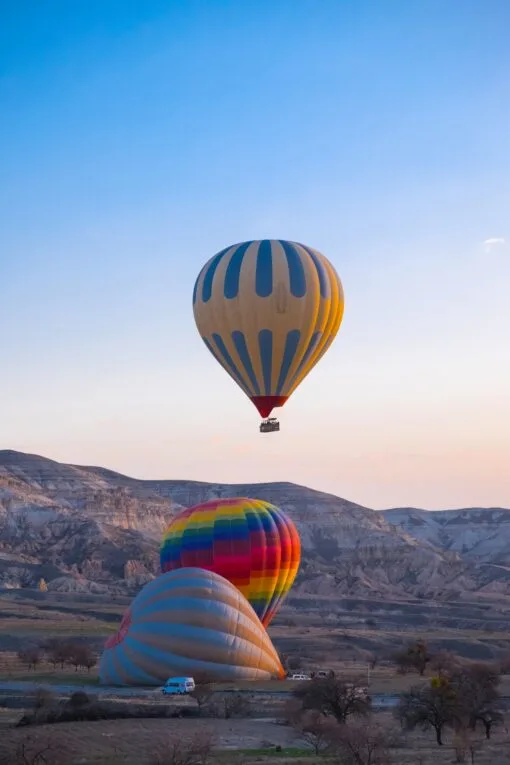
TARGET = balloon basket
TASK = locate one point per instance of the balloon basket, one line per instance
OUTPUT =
(270, 425)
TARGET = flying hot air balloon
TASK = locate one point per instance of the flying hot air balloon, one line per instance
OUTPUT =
(268, 310)
(250, 542)
(189, 622)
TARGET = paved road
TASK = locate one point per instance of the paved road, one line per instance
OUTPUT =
(382, 700)
(20, 688)
(24, 686)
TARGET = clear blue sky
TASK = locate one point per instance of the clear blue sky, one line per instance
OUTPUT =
(139, 138)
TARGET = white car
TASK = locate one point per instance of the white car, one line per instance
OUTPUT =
(299, 676)
(178, 686)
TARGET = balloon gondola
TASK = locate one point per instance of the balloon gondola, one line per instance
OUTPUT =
(268, 310)
(271, 425)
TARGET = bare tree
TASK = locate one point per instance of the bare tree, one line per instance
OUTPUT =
(88, 657)
(478, 696)
(466, 745)
(314, 728)
(179, 751)
(415, 657)
(31, 750)
(30, 656)
(333, 697)
(58, 652)
(81, 655)
(204, 689)
(444, 662)
(75, 656)
(430, 706)
(362, 742)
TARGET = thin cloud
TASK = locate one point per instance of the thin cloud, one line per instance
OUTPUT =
(495, 241)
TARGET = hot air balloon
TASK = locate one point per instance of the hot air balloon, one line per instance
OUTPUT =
(268, 310)
(189, 622)
(250, 542)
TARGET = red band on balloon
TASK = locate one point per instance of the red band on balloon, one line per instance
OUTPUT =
(123, 630)
(266, 404)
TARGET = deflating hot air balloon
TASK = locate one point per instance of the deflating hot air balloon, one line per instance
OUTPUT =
(268, 311)
(189, 622)
(251, 543)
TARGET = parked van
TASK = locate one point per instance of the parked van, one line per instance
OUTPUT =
(178, 685)
(299, 676)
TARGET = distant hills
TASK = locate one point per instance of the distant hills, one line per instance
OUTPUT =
(89, 529)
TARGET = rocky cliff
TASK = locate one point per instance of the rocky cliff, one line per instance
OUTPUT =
(91, 529)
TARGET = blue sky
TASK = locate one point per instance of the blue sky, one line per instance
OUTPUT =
(137, 139)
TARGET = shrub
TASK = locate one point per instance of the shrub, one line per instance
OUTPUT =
(333, 697)
(362, 742)
(236, 705)
(178, 751)
(81, 707)
(30, 751)
(204, 689)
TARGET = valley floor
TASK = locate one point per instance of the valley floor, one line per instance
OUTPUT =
(344, 635)
(132, 742)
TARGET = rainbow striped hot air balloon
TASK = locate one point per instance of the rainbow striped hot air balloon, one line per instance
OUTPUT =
(250, 542)
(268, 311)
(189, 622)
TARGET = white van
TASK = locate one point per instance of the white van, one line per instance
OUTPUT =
(299, 676)
(176, 686)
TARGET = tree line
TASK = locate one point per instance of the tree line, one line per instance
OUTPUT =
(59, 653)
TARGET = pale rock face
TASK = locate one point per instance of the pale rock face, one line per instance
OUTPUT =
(90, 529)
(477, 533)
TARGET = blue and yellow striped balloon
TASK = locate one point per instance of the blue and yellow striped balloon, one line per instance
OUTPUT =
(189, 622)
(268, 310)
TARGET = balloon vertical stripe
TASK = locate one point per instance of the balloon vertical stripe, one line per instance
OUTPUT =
(233, 272)
(289, 355)
(228, 361)
(269, 310)
(209, 275)
(241, 348)
(324, 283)
(297, 277)
(266, 357)
(264, 273)
(312, 345)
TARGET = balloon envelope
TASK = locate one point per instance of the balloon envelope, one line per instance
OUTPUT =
(268, 310)
(187, 623)
(250, 542)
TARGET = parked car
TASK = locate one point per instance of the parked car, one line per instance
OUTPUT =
(298, 676)
(177, 686)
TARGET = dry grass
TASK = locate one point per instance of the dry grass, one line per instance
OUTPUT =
(132, 741)
(379, 680)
